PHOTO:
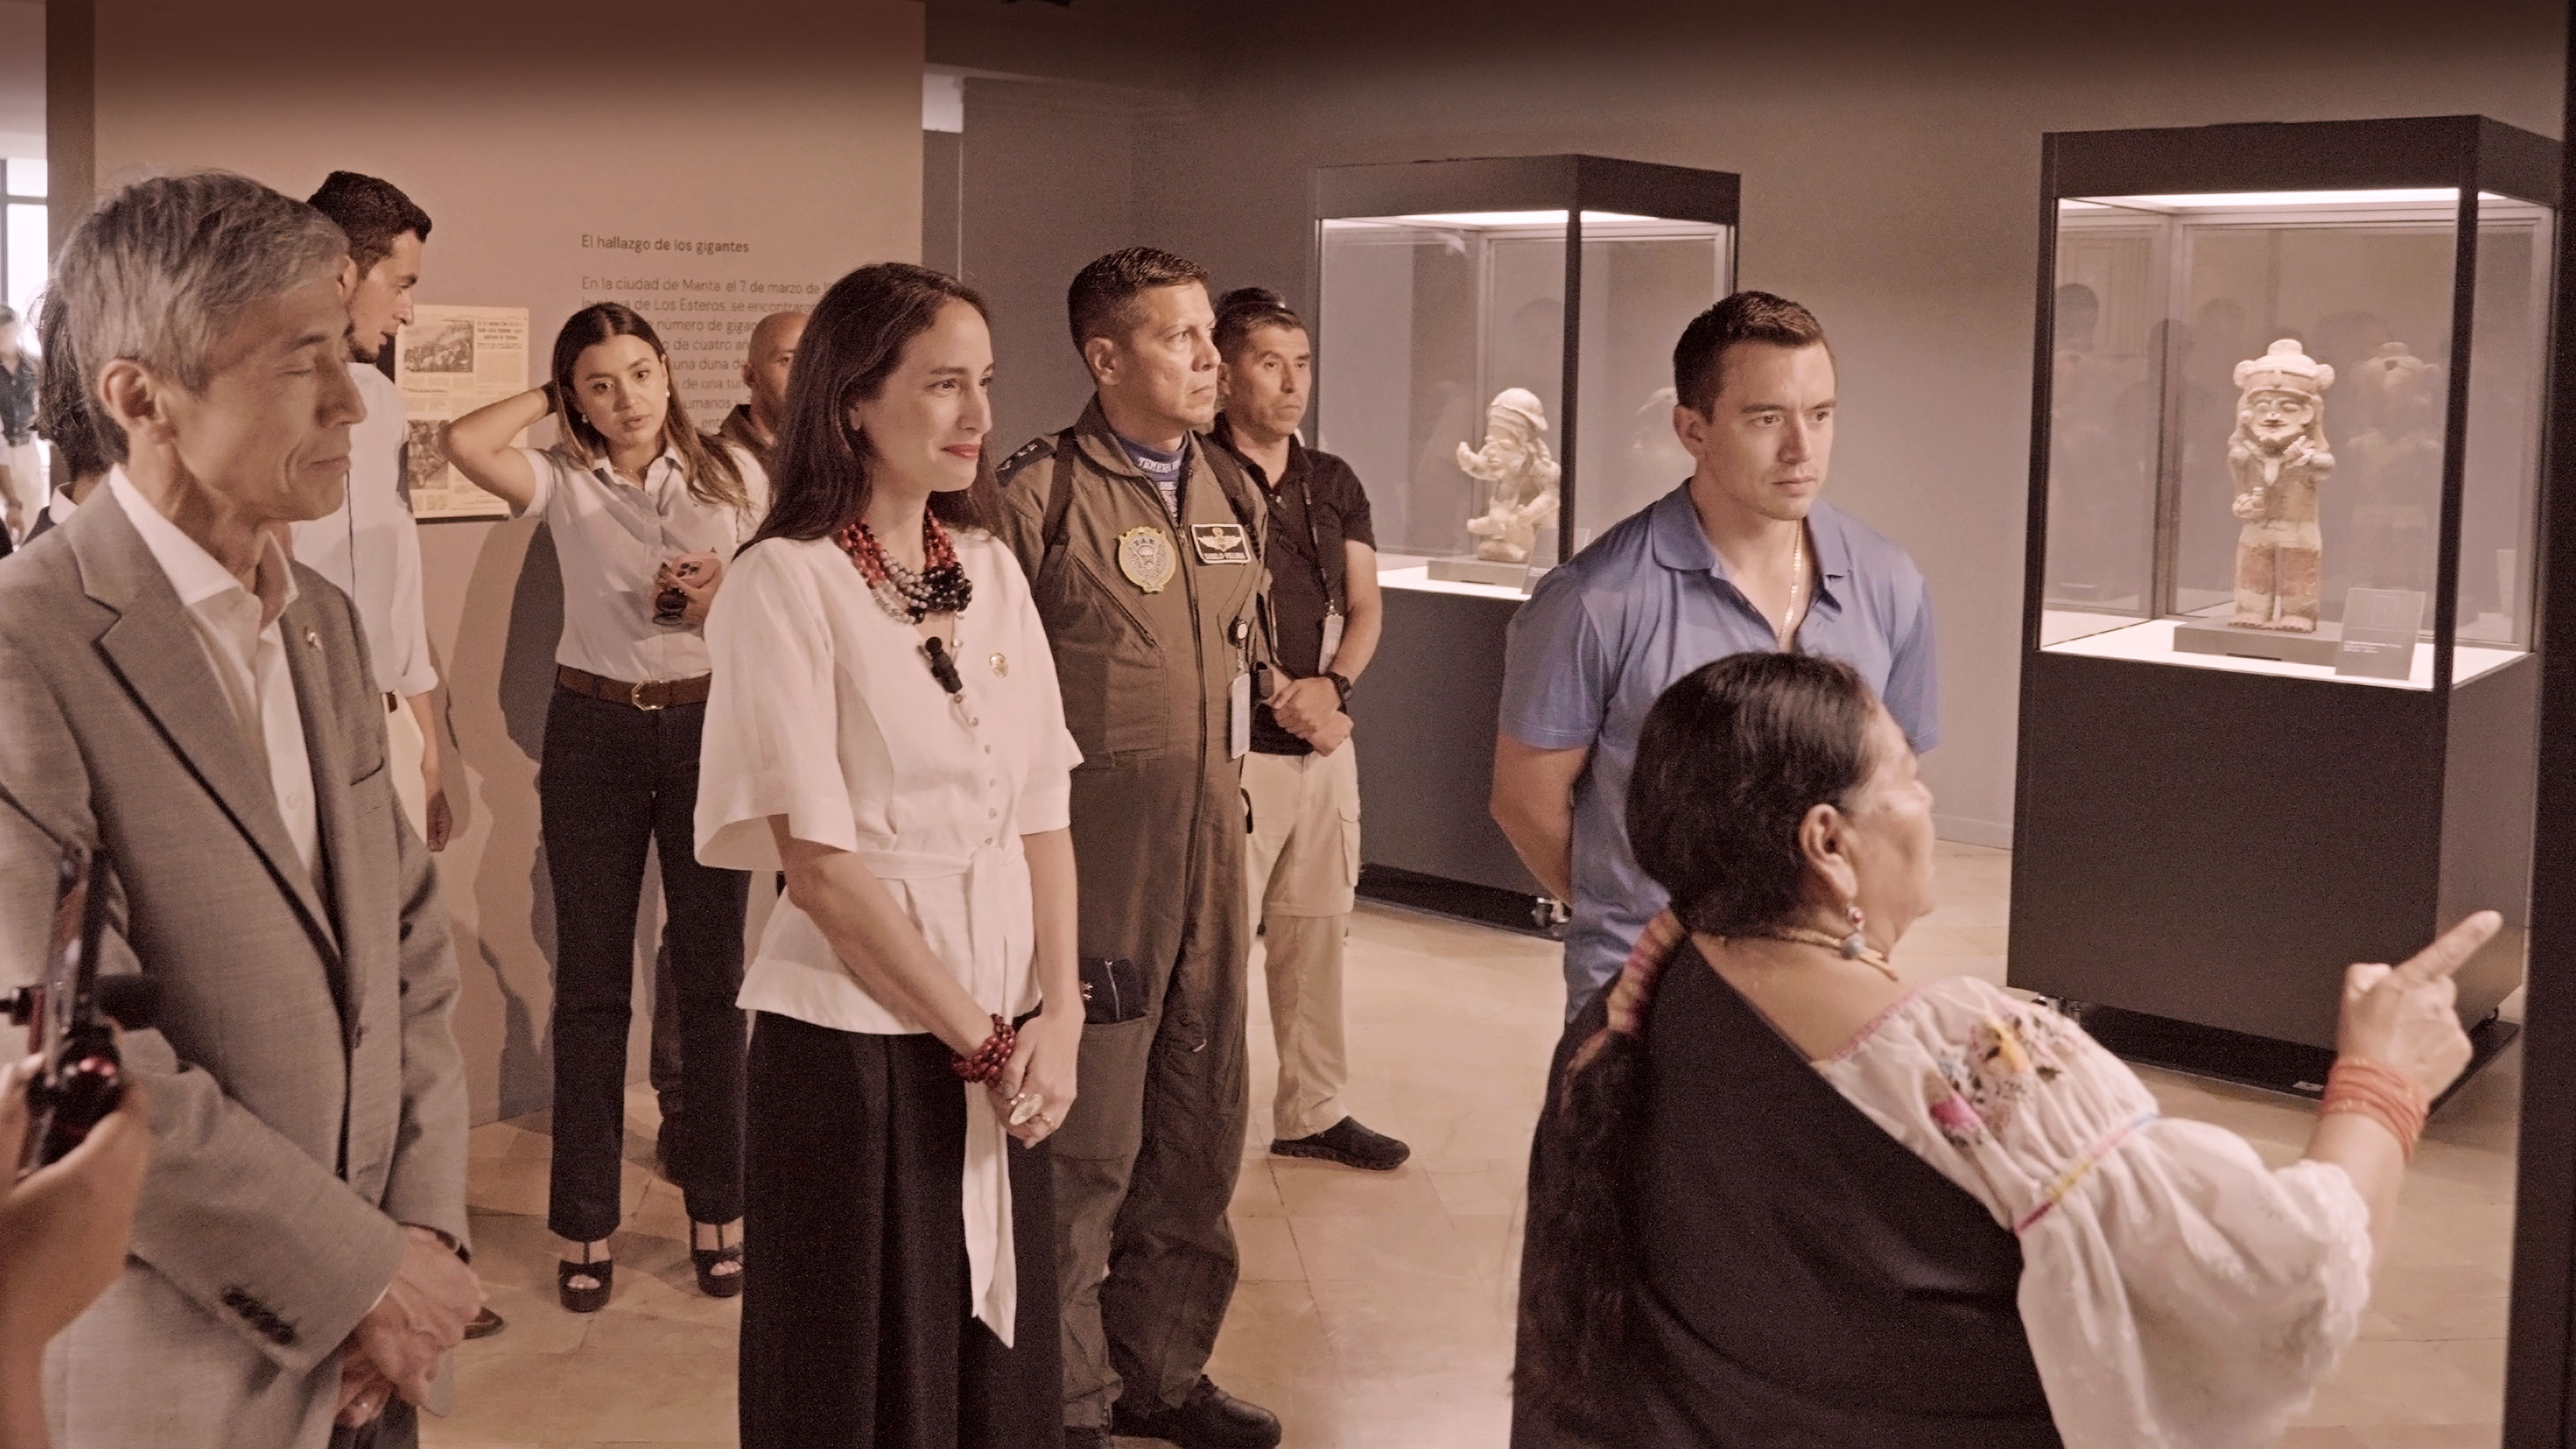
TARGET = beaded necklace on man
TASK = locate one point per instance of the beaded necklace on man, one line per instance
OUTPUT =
(940, 586)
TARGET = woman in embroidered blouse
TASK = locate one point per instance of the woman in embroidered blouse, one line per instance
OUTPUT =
(885, 725)
(1798, 1203)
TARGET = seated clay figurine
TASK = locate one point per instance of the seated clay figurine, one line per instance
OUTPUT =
(1520, 475)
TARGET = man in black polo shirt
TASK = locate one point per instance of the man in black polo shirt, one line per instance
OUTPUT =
(1302, 777)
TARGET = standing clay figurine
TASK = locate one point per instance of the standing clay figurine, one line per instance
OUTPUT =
(2278, 457)
(1520, 474)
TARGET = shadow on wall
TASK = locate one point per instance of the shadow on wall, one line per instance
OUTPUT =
(498, 686)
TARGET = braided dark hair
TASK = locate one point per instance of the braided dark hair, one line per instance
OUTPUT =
(1731, 759)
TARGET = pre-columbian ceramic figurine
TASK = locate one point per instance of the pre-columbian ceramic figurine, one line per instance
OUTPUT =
(2278, 456)
(1520, 474)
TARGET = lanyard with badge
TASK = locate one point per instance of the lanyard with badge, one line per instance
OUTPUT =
(1323, 575)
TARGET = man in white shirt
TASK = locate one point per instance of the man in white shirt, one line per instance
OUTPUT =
(370, 546)
(174, 691)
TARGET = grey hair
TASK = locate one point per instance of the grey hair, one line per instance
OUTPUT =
(159, 272)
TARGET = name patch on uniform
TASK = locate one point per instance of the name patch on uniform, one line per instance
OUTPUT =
(1221, 543)
(1147, 558)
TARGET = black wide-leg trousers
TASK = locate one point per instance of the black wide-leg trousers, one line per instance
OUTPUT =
(614, 780)
(857, 1327)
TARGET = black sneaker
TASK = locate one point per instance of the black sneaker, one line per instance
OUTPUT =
(1210, 1418)
(1348, 1143)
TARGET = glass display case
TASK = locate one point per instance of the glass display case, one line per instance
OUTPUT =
(1494, 342)
(2273, 414)
(2278, 705)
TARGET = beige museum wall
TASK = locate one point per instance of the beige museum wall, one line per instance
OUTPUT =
(1890, 157)
(789, 125)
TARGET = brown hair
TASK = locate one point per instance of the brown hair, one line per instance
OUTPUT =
(1699, 359)
(854, 342)
(1247, 310)
(1101, 301)
(1731, 759)
(372, 212)
(708, 466)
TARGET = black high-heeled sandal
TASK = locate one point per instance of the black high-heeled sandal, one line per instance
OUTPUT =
(710, 1282)
(601, 1271)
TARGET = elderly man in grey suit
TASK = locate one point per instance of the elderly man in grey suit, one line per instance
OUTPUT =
(175, 692)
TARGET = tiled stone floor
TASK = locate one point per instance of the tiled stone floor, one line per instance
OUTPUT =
(1375, 1311)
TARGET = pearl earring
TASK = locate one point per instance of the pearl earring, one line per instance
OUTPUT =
(1856, 944)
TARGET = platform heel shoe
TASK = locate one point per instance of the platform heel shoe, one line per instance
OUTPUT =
(599, 1271)
(710, 1282)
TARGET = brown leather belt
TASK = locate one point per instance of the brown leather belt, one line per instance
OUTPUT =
(651, 694)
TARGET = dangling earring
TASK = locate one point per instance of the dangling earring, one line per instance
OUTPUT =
(1856, 944)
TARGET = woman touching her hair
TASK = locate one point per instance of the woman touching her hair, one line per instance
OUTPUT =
(644, 512)
(886, 727)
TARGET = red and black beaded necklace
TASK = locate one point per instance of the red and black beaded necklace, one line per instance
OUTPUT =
(941, 587)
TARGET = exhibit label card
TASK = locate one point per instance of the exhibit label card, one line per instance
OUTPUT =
(448, 362)
(2379, 633)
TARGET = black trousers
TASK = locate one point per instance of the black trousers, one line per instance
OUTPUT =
(614, 780)
(857, 1330)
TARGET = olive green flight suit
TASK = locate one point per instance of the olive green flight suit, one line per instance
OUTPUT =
(1145, 1164)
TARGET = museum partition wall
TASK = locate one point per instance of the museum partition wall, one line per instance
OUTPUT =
(2279, 696)
(1493, 340)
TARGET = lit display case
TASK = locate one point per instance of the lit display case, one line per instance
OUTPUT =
(2278, 705)
(1494, 346)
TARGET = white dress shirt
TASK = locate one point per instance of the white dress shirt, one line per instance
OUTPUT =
(370, 546)
(612, 537)
(825, 711)
(247, 651)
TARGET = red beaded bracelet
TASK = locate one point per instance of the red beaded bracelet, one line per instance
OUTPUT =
(2380, 1092)
(987, 1062)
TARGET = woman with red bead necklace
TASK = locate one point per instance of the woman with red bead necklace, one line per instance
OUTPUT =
(885, 727)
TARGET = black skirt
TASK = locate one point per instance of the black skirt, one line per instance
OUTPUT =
(856, 1327)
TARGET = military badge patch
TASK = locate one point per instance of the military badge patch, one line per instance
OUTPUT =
(1221, 543)
(1148, 559)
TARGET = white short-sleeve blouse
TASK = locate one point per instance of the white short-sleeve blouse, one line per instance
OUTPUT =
(825, 711)
(612, 536)
(2177, 1293)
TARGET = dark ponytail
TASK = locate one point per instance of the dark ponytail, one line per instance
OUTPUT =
(1731, 759)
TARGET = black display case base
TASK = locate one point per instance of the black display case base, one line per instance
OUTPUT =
(1482, 905)
(2291, 1068)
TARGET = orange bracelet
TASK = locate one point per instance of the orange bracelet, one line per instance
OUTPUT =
(2380, 1092)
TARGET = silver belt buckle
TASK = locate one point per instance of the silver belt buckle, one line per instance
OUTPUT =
(635, 696)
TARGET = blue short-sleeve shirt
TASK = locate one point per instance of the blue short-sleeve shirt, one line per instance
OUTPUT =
(1603, 636)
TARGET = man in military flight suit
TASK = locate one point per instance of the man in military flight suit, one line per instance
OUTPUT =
(1142, 547)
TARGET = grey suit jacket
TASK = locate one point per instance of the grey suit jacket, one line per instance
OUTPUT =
(306, 1086)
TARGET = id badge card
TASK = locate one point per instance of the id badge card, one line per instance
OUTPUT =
(1332, 640)
(1238, 733)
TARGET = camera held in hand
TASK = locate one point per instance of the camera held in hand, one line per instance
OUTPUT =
(71, 1016)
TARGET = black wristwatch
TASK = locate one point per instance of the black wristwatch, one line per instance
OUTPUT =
(1341, 686)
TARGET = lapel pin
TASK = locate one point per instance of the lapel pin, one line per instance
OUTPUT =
(312, 640)
(1001, 666)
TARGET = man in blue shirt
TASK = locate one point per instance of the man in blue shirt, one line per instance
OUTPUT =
(1743, 556)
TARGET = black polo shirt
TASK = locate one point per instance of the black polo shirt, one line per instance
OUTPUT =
(1308, 567)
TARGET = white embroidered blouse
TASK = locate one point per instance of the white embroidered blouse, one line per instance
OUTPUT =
(2175, 1291)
